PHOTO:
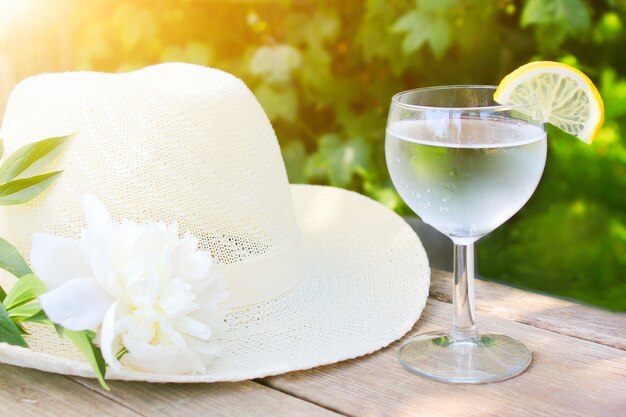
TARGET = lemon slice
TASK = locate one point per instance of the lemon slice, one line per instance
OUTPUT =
(555, 93)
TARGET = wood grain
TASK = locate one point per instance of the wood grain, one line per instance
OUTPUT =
(27, 392)
(569, 376)
(215, 400)
(539, 310)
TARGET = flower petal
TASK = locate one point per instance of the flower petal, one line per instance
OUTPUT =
(163, 359)
(110, 342)
(177, 298)
(192, 268)
(143, 289)
(213, 294)
(56, 260)
(168, 335)
(97, 216)
(191, 327)
(79, 304)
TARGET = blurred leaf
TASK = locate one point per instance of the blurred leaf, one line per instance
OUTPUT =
(377, 43)
(613, 92)
(339, 160)
(12, 261)
(428, 23)
(136, 25)
(556, 20)
(316, 76)
(313, 29)
(574, 12)
(577, 271)
(295, 158)
(608, 28)
(386, 195)
(24, 190)
(193, 53)
(278, 104)
(275, 63)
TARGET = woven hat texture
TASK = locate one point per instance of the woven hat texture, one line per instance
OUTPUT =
(187, 144)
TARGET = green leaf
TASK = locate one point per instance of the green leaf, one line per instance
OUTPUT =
(25, 290)
(21, 328)
(406, 22)
(316, 75)
(278, 103)
(316, 28)
(9, 332)
(12, 261)
(339, 160)
(33, 159)
(83, 340)
(294, 155)
(424, 25)
(613, 91)
(1, 147)
(556, 20)
(572, 12)
(29, 312)
(23, 190)
(39, 317)
(439, 38)
(377, 43)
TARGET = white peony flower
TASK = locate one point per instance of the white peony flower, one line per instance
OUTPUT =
(140, 287)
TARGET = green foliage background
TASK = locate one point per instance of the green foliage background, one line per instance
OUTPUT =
(325, 72)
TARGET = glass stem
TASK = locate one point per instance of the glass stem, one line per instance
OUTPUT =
(463, 323)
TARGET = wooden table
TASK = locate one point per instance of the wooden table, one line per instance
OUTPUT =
(578, 369)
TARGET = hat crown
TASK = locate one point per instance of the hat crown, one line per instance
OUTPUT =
(172, 142)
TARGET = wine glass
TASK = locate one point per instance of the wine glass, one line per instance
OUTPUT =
(464, 164)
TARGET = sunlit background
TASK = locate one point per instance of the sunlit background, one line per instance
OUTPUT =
(325, 72)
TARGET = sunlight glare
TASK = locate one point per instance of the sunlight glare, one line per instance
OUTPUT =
(7, 5)
(10, 9)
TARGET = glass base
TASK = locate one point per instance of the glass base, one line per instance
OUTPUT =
(487, 358)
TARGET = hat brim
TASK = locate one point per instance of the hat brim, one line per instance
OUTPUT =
(365, 285)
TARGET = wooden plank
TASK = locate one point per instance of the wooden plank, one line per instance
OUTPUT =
(27, 392)
(215, 400)
(539, 310)
(569, 376)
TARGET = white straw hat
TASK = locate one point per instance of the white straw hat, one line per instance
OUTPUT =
(316, 274)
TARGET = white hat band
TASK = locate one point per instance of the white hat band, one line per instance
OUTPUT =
(264, 277)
